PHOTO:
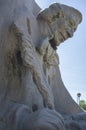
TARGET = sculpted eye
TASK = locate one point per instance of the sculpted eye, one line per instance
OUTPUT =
(57, 16)
(72, 23)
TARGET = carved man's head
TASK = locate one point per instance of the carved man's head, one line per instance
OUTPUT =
(61, 22)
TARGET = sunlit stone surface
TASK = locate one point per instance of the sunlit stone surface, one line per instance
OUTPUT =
(32, 94)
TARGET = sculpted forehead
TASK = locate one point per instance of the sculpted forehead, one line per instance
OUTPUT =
(56, 11)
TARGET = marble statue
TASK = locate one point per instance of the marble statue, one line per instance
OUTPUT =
(32, 93)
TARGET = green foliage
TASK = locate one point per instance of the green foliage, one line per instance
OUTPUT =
(82, 103)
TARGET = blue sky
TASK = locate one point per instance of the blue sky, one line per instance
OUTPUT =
(72, 52)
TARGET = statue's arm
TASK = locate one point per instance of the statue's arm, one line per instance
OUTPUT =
(22, 32)
(31, 59)
(19, 117)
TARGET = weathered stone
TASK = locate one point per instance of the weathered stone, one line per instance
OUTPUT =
(32, 93)
(75, 121)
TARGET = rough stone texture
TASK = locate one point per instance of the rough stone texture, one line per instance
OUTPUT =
(32, 94)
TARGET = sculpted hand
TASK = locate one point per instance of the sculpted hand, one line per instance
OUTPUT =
(45, 119)
(32, 61)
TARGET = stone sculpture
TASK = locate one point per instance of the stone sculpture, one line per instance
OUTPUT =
(32, 94)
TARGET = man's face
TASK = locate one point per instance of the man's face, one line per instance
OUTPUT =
(62, 30)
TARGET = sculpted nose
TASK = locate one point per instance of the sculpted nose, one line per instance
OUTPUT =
(70, 32)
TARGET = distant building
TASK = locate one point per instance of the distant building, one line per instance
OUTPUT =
(78, 97)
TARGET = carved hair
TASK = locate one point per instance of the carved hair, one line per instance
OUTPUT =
(51, 16)
(57, 10)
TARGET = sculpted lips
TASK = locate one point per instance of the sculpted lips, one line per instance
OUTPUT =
(65, 34)
(62, 36)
